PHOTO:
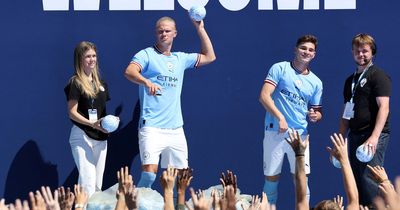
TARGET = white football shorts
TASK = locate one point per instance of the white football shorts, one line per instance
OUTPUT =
(169, 143)
(275, 148)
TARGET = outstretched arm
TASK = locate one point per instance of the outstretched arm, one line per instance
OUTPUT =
(390, 195)
(50, 199)
(200, 202)
(229, 179)
(256, 204)
(168, 178)
(65, 198)
(207, 54)
(81, 197)
(126, 192)
(184, 178)
(299, 147)
(340, 153)
(378, 174)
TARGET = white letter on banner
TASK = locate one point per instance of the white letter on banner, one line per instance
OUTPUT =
(340, 4)
(124, 4)
(55, 5)
(288, 4)
(234, 5)
(86, 5)
(265, 5)
(158, 4)
(311, 4)
(186, 4)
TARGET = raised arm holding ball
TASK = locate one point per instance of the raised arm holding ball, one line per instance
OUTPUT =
(159, 73)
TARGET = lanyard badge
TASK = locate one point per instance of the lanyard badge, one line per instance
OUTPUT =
(92, 115)
(348, 112)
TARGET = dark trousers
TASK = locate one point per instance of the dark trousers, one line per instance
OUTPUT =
(367, 187)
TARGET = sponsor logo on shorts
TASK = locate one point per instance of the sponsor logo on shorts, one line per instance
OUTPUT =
(146, 155)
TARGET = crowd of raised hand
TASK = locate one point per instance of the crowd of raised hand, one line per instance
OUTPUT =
(128, 196)
(219, 200)
(389, 198)
(227, 199)
(45, 199)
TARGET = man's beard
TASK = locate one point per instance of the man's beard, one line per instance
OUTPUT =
(364, 62)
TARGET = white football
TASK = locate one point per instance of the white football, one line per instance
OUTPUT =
(110, 123)
(335, 162)
(363, 155)
(197, 13)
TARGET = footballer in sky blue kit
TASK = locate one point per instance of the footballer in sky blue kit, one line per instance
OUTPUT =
(159, 73)
(290, 94)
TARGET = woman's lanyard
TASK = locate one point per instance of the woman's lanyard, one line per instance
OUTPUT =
(92, 112)
(354, 85)
(92, 99)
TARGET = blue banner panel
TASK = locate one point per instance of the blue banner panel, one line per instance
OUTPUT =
(224, 121)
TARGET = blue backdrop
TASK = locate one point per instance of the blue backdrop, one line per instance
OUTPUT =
(223, 118)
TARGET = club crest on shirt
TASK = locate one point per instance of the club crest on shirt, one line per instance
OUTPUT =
(170, 67)
(298, 83)
(363, 82)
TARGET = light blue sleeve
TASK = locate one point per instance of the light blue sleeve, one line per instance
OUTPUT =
(316, 99)
(190, 60)
(141, 58)
(275, 73)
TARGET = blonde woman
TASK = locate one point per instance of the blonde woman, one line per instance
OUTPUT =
(87, 95)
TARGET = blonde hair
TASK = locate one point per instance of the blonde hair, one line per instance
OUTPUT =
(165, 18)
(80, 77)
